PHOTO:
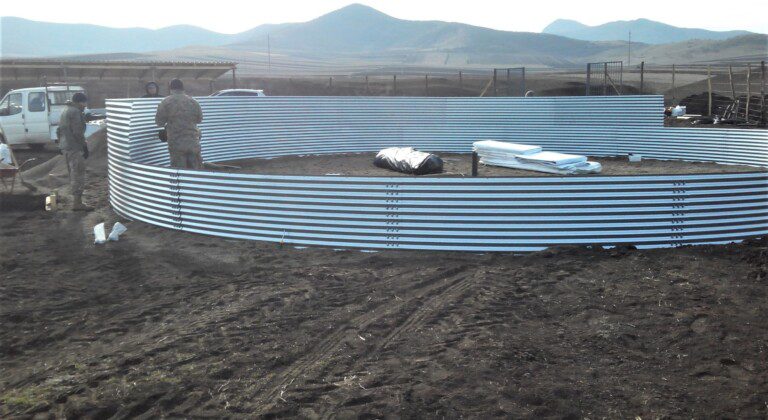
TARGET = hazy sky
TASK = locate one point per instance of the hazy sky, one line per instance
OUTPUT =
(231, 16)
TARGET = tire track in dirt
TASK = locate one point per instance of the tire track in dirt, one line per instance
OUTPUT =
(414, 321)
(276, 387)
(418, 317)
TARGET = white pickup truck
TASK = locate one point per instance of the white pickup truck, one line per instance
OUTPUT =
(30, 116)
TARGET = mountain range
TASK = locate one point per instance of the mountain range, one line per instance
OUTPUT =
(360, 34)
(643, 30)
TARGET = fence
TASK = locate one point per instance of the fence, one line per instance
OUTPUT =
(731, 91)
(735, 91)
(605, 78)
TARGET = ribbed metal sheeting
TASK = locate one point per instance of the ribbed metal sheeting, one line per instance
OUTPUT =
(276, 126)
(468, 214)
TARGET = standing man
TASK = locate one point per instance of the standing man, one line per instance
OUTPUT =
(180, 115)
(72, 144)
(152, 89)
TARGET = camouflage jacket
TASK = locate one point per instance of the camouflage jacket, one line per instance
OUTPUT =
(180, 115)
(71, 129)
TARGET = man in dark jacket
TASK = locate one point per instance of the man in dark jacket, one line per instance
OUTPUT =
(152, 89)
(72, 144)
(180, 115)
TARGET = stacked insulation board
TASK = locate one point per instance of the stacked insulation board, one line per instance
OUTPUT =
(532, 158)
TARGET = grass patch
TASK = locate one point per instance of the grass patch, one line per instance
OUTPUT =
(25, 397)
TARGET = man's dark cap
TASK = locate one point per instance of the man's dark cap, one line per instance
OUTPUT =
(177, 84)
(79, 97)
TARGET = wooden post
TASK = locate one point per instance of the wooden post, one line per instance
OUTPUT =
(762, 92)
(674, 90)
(709, 88)
(642, 76)
(730, 77)
(509, 84)
(474, 163)
(394, 84)
(495, 93)
(749, 92)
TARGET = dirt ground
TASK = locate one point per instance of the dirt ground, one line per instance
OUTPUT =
(170, 324)
(457, 164)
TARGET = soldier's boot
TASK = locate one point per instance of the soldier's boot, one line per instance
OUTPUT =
(78, 205)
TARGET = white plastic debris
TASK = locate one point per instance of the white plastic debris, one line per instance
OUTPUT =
(117, 230)
(99, 234)
(678, 111)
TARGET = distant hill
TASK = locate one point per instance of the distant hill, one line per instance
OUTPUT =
(27, 38)
(359, 37)
(643, 30)
(745, 48)
(361, 30)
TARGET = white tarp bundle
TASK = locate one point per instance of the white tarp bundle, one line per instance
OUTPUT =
(532, 158)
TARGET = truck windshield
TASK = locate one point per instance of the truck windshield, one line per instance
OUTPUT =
(61, 98)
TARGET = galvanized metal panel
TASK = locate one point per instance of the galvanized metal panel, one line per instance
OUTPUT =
(450, 213)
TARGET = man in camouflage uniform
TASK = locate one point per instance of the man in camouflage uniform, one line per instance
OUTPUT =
(72, 144)
(180, 115)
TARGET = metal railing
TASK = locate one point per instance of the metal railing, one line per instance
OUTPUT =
(440, 213)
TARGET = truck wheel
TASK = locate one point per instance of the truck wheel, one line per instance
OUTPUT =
(37, 147)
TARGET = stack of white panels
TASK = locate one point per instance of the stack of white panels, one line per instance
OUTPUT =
(499, 153)
(523, 156)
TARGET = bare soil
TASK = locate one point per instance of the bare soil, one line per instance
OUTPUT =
(166, 323)
(458, 164)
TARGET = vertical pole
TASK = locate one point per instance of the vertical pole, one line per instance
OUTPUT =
(642, 76)
(367, 87)
(495, 93)
(234, 77)
(709, 89)
(426, 85)
(621, 78)
(730, 78)
(589, 72)
(461, 81)
(674, 91)
(509, 84)
(330, 82)
(605, 79)
(523, 90)
(749, 92)
(394, 84)
(762, 92)
(474, 163)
